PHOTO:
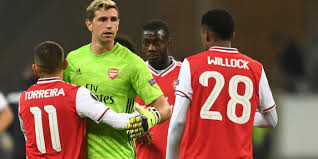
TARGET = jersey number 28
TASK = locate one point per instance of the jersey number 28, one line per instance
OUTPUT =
(235, 97)
(55, 137)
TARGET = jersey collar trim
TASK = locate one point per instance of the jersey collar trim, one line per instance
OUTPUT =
(165, 71)
(48, 80)
(224, 49)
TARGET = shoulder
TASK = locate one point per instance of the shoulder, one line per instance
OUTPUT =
(69, 85)
(251, 60)
(78, 53)
(129, 56)
(125, 51)
(196, 59)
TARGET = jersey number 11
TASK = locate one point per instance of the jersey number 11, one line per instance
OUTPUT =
(55, 137)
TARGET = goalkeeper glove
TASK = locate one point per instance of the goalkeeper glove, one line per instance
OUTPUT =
(150, 116)
(135, 127)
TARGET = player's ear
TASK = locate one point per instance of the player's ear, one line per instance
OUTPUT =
(205, 34)
(89, 24)
(35, 69)
(65, 63)
(209, 36)
(233, 36)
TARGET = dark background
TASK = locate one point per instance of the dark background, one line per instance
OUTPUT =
(26, 23)
(281, 34)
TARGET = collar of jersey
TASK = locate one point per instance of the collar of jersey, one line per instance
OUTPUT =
(164, 71)
(104, 54)
(224, 49)
(48, 80)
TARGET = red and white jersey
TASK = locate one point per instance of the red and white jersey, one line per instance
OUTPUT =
(167, 80)
(51, 115)
(225, 88)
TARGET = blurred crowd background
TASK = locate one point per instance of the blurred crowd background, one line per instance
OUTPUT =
(281, 34)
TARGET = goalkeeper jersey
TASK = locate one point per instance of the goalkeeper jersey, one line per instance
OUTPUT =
(115, 78)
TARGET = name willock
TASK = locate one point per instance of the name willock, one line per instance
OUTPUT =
(238, 63)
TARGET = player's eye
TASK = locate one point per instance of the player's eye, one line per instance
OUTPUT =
(157, 43)
(102, 19)
(114, 19)
(145, 43)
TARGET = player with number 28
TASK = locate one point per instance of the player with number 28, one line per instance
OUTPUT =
(217, 97)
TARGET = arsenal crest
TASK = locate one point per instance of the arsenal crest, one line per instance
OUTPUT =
(112, 73)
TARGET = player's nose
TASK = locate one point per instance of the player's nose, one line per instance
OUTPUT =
(151, 48)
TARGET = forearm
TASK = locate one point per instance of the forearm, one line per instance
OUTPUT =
(6, 118)
(176, 128)
(117, 120)
(266, 120)
(162, 106)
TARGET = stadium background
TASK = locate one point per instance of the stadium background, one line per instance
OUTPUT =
(263, 31)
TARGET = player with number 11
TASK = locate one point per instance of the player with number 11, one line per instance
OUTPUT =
(52, 112)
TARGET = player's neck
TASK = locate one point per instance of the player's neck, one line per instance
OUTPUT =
(101, 47)
(58, 74)
(163, 65)
(222, 43)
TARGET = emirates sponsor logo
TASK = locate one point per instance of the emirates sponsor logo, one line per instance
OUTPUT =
(112, 73)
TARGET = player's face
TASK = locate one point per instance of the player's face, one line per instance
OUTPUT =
(155, 46)
(105, 24)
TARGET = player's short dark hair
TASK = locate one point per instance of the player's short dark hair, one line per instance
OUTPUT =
(220, 22)
(156, 24)
(49, 56)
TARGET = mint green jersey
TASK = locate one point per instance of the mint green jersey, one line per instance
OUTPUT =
(115, 77)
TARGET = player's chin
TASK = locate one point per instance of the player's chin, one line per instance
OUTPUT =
(107, 40)
(154, 62)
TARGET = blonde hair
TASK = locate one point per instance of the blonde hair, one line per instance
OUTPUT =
(96, 5)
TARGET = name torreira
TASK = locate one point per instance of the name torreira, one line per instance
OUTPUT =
(44, 93)
(239, 63)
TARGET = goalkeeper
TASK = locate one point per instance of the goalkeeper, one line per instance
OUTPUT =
(61, 114)
(115, 75)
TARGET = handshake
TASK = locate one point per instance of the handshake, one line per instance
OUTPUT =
(139, 125)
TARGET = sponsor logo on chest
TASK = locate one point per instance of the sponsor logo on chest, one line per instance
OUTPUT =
(112, 73)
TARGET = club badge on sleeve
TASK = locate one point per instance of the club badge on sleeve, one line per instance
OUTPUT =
(112, 73)
(152, 82)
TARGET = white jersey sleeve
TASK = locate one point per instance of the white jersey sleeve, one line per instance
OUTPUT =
(176, 127)
(267, 116)
(3, 102)
(21, 124)
(87, 105)
(266, 101)
(184, 87)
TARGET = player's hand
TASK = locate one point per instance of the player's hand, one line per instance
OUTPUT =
(145, 138)
(135, 126)
(151, 114)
